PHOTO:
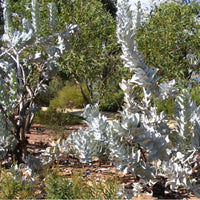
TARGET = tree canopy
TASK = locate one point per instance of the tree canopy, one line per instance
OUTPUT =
(110, 6)
(169, 39)
(94, 58)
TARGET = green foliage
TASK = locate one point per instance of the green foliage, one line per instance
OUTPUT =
(54, 185)
(75, 187)
(13, 187)
(112, 102)
(166, 105)
(105, 190)
(195, 94)
(52, 117)
(55, 85)
(20, 12)
(57, 187)
(169, 40)
(94, 59)
(69, 97)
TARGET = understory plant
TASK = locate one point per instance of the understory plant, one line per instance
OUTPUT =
(141, 142)
(17, 183)
(59, 186)
(20, 182)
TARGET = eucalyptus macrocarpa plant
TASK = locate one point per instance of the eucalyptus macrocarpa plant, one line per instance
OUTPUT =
(142, 142)
(27, 62)
(150, 150)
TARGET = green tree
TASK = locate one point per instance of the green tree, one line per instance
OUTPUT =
(94, 59)
(169, 40)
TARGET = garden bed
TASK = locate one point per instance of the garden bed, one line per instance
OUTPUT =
(41, 136)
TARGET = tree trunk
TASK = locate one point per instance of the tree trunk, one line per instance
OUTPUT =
(80, 88)
(20, 152)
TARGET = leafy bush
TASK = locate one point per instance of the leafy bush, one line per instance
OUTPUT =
(112, 102)
(13, 186)
(68, 97)
(57, 187)
(195, 94)
(29, 58)
(52, 117)
(168, 39)
(167, 105)
(19, 182)
(140, 142)
(75, 187)
(106, 189)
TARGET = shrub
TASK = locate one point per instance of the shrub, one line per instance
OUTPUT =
(12, 185)
(167, 105)
(140, 142)
(68, 97)
(71, 97)
(112, 102)
(106, 189)
(75, 187)
(195, 94)
(29, 59)
(57, 187)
